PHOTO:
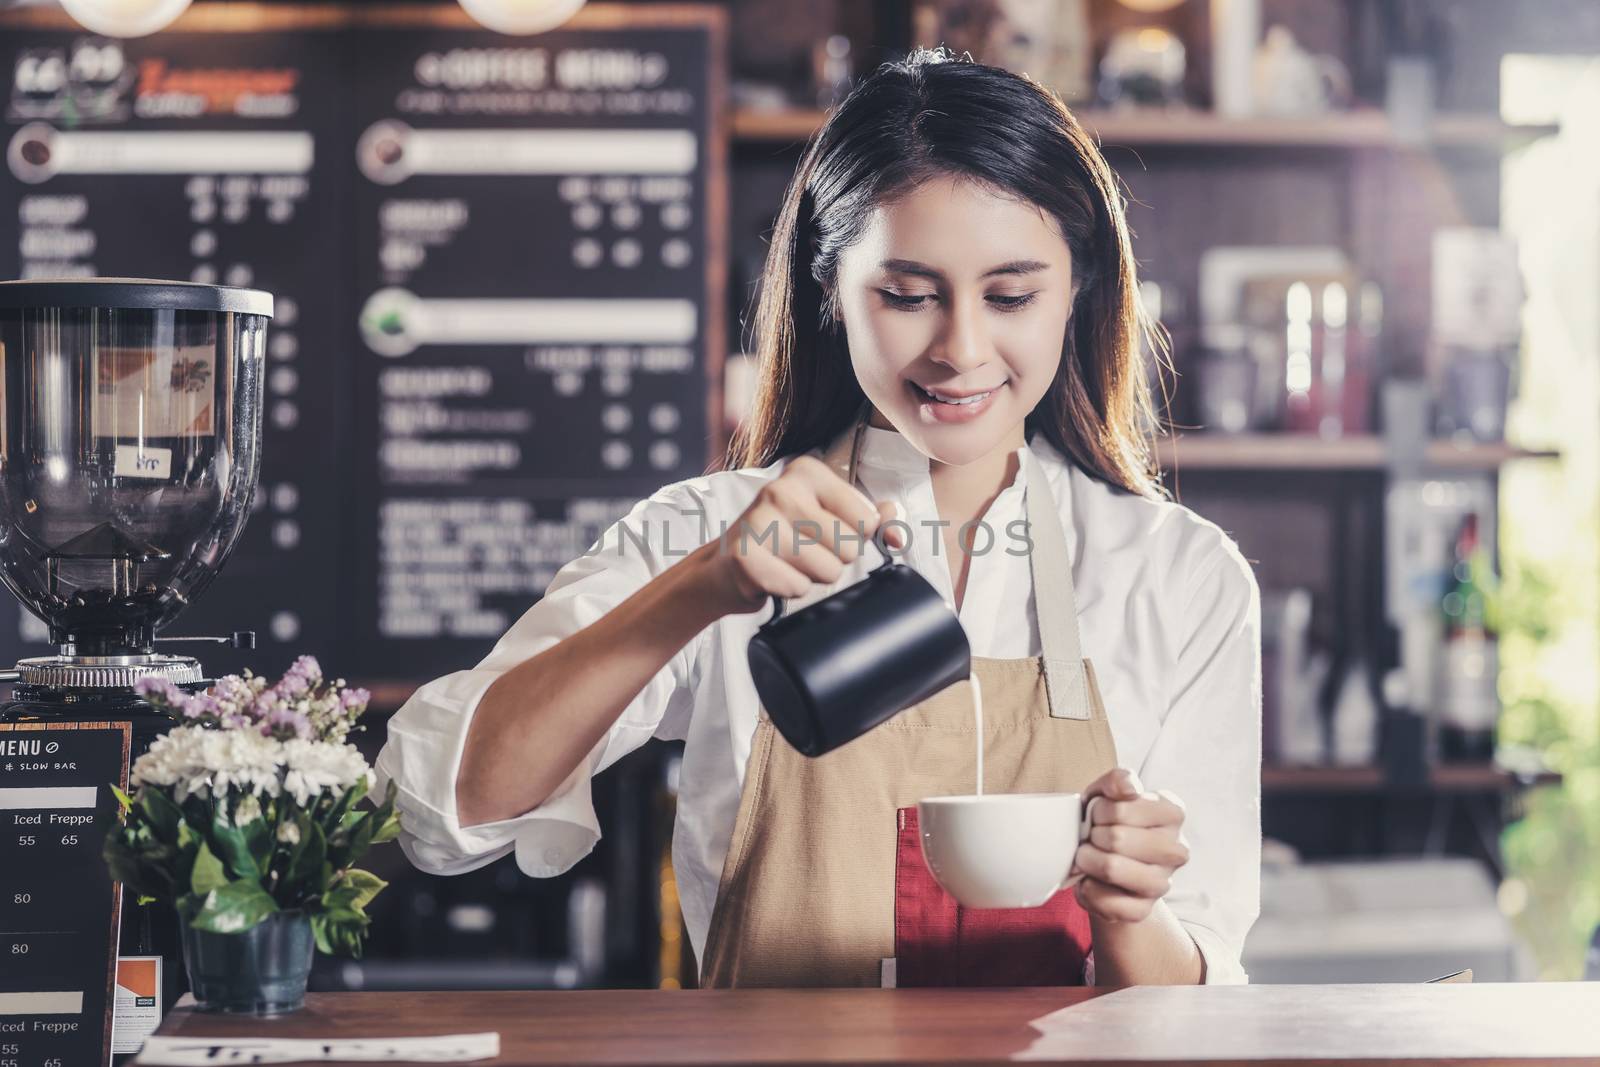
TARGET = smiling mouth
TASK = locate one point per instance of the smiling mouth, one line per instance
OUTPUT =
(954, 399)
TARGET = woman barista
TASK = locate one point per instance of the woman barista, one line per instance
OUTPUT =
(949, 328)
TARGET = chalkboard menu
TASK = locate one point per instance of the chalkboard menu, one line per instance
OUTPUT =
(497, 262)
(59, 911)
(531, 267)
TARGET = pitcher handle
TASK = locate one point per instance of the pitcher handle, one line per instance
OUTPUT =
(877, 540)
(1084, 826)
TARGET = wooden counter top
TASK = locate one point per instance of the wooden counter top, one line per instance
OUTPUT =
(1530, 1023)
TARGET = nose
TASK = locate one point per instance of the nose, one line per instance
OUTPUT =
(965, 344)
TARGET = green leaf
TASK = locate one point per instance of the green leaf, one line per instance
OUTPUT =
(340, 931)
(141, 864)
(234, 908)
(164, 816)
(389, 830)
(122, 862)
(319, 932)
(258, 836)
(124, 801)
(339, 916)
(234, 846)
(183, 854)
(208, 873)
(305, 876)
(361, 835)
(366, 885)
(340, 814)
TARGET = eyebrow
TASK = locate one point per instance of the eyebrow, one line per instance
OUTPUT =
(911, 266)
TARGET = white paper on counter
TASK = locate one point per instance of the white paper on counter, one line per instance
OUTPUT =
(1380, 1021)
(199, 1051)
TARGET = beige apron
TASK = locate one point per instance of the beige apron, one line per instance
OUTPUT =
(808, 895)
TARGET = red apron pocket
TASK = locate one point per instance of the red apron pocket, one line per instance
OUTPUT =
(940, 943)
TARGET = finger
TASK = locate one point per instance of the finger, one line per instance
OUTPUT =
(766, 531)
(1116, 784)
(1130, 875)
(896, 533)
(1158, 846)
(1149, 810)
(843, 501)
(773, 576)
(805, 550)
(1110, 903)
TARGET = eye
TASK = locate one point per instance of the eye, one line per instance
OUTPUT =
(904, 302)
(1012, 303)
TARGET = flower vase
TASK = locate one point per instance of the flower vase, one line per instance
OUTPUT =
(259, 971)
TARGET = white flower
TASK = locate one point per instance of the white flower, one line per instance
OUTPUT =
(195, 761)
(289, 833)
(321, 766)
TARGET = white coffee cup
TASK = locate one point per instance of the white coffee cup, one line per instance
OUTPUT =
(1004, 850)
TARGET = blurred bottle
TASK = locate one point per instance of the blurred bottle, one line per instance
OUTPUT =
(1469, 704)
(1403, 748)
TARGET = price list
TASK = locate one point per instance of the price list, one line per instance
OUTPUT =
(58, 914)
(537, 317)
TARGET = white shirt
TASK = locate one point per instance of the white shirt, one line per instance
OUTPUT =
(1169, 614)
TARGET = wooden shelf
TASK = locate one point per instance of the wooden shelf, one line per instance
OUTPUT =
(1258, 452)
(1446, 778)
(388, 696)
(789, 124)
(1365, 128)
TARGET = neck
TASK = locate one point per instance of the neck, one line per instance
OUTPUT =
(964, 491)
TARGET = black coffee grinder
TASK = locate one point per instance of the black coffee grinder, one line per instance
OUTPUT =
(130, 431)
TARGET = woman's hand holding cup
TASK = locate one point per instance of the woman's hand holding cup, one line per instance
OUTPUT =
(1135, 844)
(803, 528)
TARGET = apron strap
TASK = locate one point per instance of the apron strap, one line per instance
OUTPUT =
(1055, 599)
(844, 450)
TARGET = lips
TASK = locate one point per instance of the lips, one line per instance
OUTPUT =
(953, 397)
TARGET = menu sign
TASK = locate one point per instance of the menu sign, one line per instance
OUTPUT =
(497, 263)
(59, 910)
(210, 157)
(535, 311)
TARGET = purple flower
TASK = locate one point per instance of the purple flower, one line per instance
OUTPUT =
(283, 724)
(160, 690)
(302, 676)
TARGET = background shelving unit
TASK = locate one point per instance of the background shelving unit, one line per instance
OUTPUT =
(1365, 128)
(1290, 452)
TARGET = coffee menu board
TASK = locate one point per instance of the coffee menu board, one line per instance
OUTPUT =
(531, 262)
(210, 157)
(59, 911)
(498, 264)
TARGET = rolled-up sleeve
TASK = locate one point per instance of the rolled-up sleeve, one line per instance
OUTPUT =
(1208, 753)
(426, 737)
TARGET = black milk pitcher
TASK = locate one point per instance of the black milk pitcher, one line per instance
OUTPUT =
(835, 669)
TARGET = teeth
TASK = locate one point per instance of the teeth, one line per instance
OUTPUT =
(953, 400)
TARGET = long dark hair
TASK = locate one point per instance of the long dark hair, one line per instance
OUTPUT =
(931, 115)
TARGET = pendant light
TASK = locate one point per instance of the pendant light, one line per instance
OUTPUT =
(125, 18)
(521, 16)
